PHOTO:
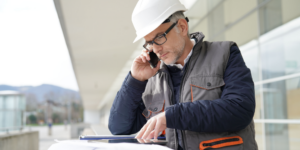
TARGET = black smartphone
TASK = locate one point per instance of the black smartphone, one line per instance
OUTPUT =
(153, 59)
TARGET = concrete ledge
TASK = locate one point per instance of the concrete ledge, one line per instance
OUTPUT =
(20, 141)
(77, 129)
(88, 131)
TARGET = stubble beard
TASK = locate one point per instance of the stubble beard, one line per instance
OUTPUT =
(179, 48)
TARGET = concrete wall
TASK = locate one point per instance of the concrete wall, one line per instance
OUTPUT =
(91, 116)
(20, 141)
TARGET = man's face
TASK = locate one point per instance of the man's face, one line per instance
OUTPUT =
(172, 49)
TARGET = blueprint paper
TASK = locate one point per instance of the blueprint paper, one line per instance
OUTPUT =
(84, 145)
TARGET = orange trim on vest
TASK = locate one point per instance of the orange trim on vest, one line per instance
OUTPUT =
(205, 88)
(192, 96)
(163, 132)
(148, 115)
(202, 145)
(199, 87)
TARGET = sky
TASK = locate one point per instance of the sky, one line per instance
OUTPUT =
(32, 45)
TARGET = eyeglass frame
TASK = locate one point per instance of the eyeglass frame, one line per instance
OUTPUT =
(164, 34)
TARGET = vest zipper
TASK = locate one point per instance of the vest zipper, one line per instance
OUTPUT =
(181, 83)
(171, 103)
(183, 79)
(182, 132)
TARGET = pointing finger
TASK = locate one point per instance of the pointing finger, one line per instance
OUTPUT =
(156, 130)
(141, 132)
(149, 129)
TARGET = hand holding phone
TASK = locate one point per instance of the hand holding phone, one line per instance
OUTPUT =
(145, 66)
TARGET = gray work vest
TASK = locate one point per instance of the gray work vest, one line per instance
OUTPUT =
(202, 80)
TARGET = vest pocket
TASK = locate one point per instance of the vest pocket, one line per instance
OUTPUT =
(220, 142)
(206, 87)
(153, 108)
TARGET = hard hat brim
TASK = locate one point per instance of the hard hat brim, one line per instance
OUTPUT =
(150, 28)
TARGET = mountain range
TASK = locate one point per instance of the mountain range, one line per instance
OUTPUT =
(44, 92)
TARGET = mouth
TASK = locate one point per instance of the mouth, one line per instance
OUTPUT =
(162, 56)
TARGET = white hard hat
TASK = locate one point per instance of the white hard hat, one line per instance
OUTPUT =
(149, 14)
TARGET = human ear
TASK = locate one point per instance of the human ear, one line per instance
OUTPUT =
(183, 27)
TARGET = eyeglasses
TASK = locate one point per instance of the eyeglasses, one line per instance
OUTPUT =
(160, 39)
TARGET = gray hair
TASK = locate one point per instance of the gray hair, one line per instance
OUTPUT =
(175, 17)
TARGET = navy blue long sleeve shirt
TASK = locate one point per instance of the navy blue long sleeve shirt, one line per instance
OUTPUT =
(232, 112)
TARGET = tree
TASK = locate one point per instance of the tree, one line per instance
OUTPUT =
(56, 118)
(32, 118)
(31, 102)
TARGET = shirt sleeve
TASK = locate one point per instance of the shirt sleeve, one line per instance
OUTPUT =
(126, 111)
(232, 112)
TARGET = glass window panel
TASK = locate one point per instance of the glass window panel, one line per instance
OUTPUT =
(9, 102)
(258, 108)
(282, 136)
(280, 55)
(251, 59)
(275, 100)
(1, 102)
(9, 119)
(18, 118)
(2, 114)
(23, 103)
(291, 42)
(281, 99)
(17, 102)
(277, 136)
(259, 135)
(20, 102)
(273, 55)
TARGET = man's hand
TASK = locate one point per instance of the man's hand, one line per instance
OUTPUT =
(141, 69)
(155, 125)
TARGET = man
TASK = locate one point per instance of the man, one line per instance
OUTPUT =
(201, 94)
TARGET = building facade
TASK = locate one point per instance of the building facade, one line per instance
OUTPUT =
(268, 34)
(12, 111)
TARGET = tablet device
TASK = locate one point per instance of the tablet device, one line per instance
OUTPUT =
(107, 137)
(130, 140)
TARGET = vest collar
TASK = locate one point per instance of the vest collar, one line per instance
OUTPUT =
(198, 36)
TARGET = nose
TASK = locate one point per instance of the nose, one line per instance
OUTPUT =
(157, 48)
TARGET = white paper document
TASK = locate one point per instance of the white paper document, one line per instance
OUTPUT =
(84, 145)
